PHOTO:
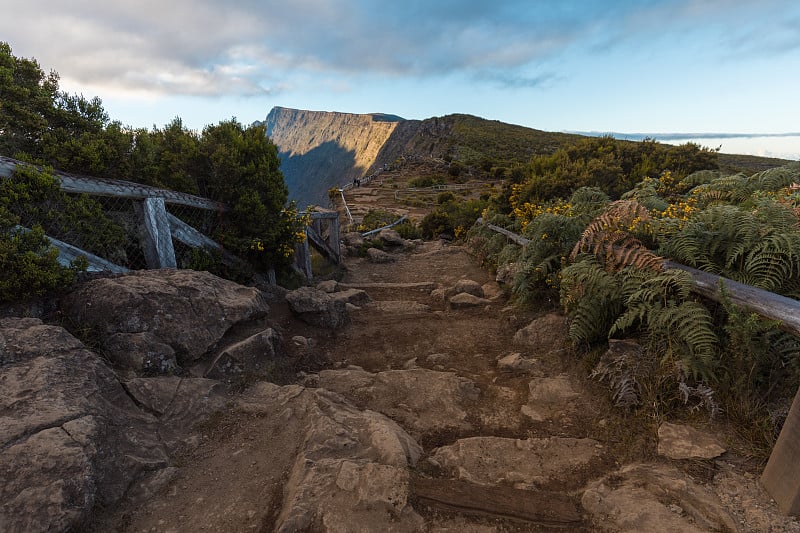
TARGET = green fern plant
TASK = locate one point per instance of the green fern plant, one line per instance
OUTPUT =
(660, 305)
(592, 298)
(758, 247)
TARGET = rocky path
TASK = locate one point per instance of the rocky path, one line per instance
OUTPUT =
(439, 408)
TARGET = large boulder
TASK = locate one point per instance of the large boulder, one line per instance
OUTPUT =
(318, 308)
(71, 437)
(150, 312)
(391, 238)
(466, 286)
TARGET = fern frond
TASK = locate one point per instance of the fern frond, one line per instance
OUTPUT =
(691, 325)
(607, 238)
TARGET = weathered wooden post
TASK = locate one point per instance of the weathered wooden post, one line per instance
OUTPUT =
(302, 259)
(156, 237)
(781, 477)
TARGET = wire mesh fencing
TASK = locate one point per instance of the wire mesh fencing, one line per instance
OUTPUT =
(110, 227)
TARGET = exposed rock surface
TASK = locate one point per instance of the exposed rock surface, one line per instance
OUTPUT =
(379, 256)
(549, 397)
(465, 300)
(318, 308)
(153, 311)
(523, 463)
(71, 437)
(357, 297)
(516, 363)
(544, 334)
(250, 356)
(679, 441)
(466, 286)
(397, 308)
(657, 498)
(307, 461)
(421, 400)
(392, 239)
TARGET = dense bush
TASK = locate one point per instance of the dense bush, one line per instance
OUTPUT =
(601, 257)
(227, 162)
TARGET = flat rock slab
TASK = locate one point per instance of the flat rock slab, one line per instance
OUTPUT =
(517, 363)
(395, 308)
(318, 308)
(658, 498)
(543, 335)
(678, 441)
(465, 300)
(421, 400)
(422, 286)
(379, 256)
(522, 463)
(549, 397)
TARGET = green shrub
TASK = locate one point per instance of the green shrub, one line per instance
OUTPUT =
(444, 197)
(408, 230)
(377, 218)
(426, 181)
(28, 264)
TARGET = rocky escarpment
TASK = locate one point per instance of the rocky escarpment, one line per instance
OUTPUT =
(320, 149)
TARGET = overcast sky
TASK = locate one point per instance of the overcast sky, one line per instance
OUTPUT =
(637, 65)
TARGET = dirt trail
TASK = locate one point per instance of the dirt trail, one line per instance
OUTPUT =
(511, 435)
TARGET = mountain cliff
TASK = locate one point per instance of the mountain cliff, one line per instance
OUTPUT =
(320, 149)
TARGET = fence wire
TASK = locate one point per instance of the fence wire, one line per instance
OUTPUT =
(110, 227)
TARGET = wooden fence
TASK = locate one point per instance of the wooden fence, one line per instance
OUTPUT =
(158, 227)
(781, 476)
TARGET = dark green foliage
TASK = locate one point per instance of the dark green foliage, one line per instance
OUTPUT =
(592, 298)
(445, 197)
(408, 230)
(227, 162)
(761, 363)
(452, 218)
(660, 304)
(758, 247)
(426, 181)
(34, 196)
(539, 264)
(377, 218)
(29, 265)
(610, 165)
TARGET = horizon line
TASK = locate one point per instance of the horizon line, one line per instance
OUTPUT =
(679, 136)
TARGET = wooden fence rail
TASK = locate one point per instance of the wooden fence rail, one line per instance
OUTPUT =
(158, 227)
(781, 476)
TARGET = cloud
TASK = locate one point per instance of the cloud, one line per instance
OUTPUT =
(256, 47)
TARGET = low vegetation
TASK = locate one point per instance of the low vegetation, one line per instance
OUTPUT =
(597, 249)
(226, 162)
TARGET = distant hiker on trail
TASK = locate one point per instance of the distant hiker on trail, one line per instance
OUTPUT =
(358, 182)
(355, 182)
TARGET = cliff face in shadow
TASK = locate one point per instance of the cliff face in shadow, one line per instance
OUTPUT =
(320, 149)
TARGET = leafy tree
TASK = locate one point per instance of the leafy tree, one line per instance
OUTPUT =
(26, 102)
